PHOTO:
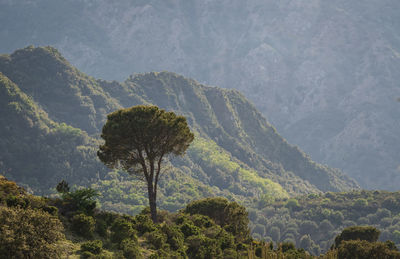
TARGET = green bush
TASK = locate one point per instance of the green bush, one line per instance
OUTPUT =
(202, 221)
(83, 225)
(16, 201)
(203, 247)
(130, 249)
(94, 247)
(28, 233)
(144, 224)
(82, 200)
(175, 237)
(122, 229)
(188, 229)
(362, 249)
(156, 238)
(51, 210)
(366, 233)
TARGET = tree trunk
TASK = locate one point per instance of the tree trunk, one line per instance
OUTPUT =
(152, 203)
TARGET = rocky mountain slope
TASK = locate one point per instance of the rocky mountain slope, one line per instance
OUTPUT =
(52, 116)
(323, 72)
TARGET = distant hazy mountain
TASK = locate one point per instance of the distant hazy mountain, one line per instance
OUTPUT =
(325, 73)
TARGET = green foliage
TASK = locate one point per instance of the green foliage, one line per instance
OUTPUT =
(138, 138)
(130, 249)
(94, 246)
(83, 225)
(189, 229)
(366, 233)
(322, 216)
(362, 249)
(29, 233)
(175, 238)
(229, 215)
(156, 238)
(200, 246)
(144, 224)
(210, 154)
(81, 200)
(122, 229)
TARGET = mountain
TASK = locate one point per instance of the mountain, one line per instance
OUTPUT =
(58, 112)
(323, 72)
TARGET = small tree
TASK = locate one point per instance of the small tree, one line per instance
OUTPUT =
(137, 139)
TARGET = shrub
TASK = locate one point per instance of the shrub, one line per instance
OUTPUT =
(202, 221)
(175, 237)
(83, 225)
(188, 229)
(130, 249)
(363, 249)
(16, 201)
(94, 247)
(366, 233)
(229, 215)
(51, 210)
(122, 229)
(29, 234)
(203, 247)
(82, 200)
(156, 239)
(144, 224)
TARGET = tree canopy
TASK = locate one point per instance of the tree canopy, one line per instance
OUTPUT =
(137, 139)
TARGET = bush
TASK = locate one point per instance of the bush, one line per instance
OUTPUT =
(16, 201)
(202, 221)
(144, 224)
(363, 249)
(82, 200)
(156, 239)
(94, 247)
(122, 229)
(83, 225)
(130, 249)
(203, 247)
(51, 210)
(366, 233)
(229, 215)
(175, 237)
(29, 234)
(188, 229)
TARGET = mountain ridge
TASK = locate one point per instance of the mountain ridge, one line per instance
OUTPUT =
(324, 73)
(237, 144)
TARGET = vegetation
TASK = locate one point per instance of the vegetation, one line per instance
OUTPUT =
(313, 221)
(46, 83)
(137, 140)
(207, 228)
(236, 155)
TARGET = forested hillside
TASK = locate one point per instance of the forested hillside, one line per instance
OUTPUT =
(324, 73)
(236, 153)
(312, 221)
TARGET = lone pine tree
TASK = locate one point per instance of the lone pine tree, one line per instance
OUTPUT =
(137, 139)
